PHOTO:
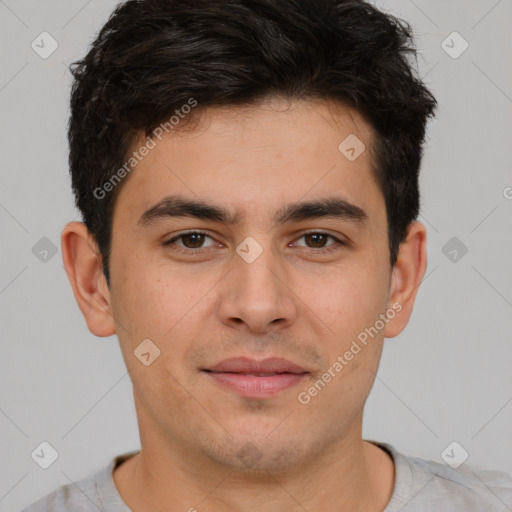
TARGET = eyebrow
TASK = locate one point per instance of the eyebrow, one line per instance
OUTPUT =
(178, 206)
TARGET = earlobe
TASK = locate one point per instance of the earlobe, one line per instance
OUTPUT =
(407, 275)
(82, 262)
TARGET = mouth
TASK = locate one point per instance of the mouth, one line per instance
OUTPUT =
(256, 379)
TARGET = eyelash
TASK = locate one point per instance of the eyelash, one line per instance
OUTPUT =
(333, 247)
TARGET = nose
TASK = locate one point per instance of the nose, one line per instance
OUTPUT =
(256, 296)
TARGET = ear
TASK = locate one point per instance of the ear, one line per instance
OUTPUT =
(82, 262)
(407, 274)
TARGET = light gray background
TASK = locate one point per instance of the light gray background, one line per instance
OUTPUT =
(446, 378)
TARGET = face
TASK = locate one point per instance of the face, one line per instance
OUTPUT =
(257, 274)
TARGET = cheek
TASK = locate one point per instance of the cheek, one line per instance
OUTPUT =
(151, 309)
(154, 302)
(348, 299)
(168, 310)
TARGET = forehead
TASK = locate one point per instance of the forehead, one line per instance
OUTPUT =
(252, 160)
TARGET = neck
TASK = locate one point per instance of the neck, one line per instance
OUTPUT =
(352, 475)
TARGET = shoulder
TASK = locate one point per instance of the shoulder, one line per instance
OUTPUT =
(95, 492)
(425, 485)
(81, 496)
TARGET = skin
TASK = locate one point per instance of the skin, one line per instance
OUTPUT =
(293, 301)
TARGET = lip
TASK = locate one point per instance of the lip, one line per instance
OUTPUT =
(257, 379)
(248, 365)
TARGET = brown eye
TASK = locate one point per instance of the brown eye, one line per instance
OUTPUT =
(190, 240)
(193, 240)
(319, 240)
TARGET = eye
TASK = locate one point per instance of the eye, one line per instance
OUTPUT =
(193, 241)
(189, 240)
(318, 240)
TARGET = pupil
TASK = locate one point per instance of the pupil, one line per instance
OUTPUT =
(197, 240)
(317, 238)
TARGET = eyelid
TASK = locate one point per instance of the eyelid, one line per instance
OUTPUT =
(320, 232)
(337, 239)
(188, 232)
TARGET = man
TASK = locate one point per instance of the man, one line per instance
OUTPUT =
(247, 172)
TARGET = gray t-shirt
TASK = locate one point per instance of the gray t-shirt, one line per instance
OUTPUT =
(420, 486)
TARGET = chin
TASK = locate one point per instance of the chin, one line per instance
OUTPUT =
(259, 451)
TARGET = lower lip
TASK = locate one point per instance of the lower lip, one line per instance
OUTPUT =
(254, 386)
